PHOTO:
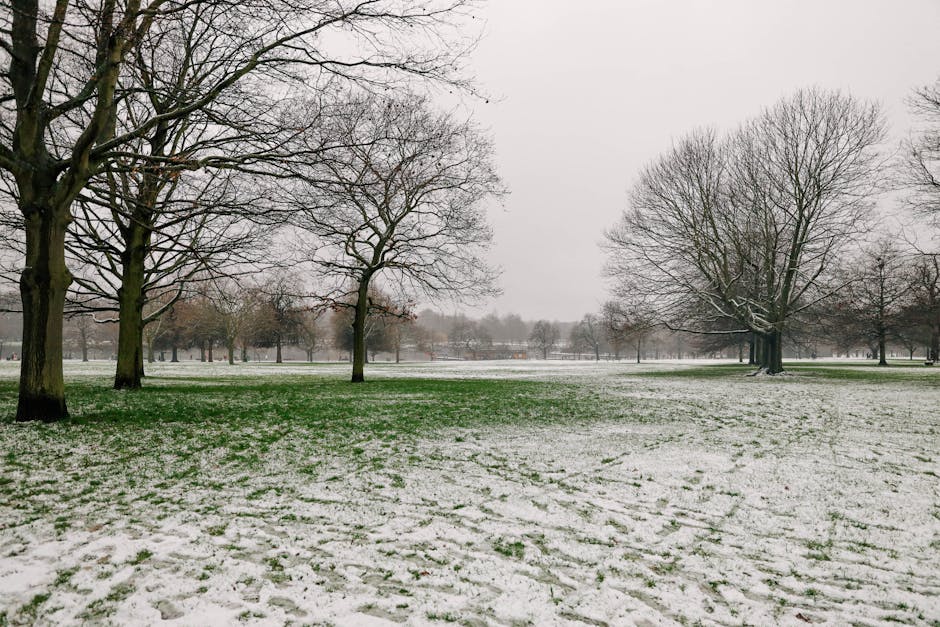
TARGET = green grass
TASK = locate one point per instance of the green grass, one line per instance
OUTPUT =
(167, 433)
(406, 406)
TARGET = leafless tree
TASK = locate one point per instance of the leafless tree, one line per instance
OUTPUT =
(61, 103)
(82, 332)
(237, 308)
(310, 332)
(627, 321)
(382, 312)
(400, 200)
(750, 225)
(544, 336)
(920, 171)
(468, 337)
(925, 300)
(279, 314)
(130, 253)
(589, 333)
(881, 282)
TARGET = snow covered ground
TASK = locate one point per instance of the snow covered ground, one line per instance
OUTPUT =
(678, 500)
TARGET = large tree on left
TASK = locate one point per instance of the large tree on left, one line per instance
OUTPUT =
(58, 105)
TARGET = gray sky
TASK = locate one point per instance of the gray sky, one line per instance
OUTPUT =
(590, 91)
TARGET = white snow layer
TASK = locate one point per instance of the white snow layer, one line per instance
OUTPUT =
(723, 501)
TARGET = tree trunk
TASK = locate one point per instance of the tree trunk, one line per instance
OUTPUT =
(772, 352)
(202, 350)
(244, 353)
(397, 354)
(211, 344)
(882, 346)
(231, 352)
(130, 362)
(359, 331)
(277, 343)
(43, 285)
(150, 356)
(84, 349)
(174, 358)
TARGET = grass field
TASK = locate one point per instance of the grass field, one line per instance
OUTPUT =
(523, 493)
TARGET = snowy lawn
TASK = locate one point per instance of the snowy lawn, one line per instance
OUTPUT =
(506, 493)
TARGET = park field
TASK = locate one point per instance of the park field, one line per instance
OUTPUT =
(501, 493)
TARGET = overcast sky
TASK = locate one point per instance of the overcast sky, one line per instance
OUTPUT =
(588, 92)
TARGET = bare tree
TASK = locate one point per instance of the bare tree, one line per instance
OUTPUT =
(749, 226)
(237, 309)
(627, 321)
(280, 312)
(83, 332)
(874, 300)
(381, 314)
(920, 171)
(925, 300)
(589, 332)
(544, 336)
(140, 239)
(400, 200)
(468, 337)
(309, 332)
(61, 104)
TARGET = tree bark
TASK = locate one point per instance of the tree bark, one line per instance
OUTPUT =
(359, 331)
(175, 355)
(231, 352)
(934, 343)
(84, 349)
(43, 284)
(772, 352)
(277, 343)
(130, 363)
